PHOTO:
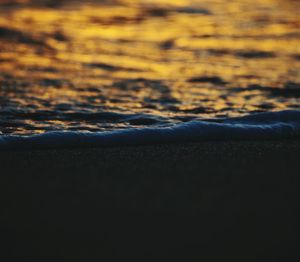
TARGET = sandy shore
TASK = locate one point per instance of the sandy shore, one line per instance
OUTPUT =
(212, 200)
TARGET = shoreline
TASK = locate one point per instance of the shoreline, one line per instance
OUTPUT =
(208, 200)
(253, 127)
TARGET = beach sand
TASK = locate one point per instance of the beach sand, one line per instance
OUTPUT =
(210, 200)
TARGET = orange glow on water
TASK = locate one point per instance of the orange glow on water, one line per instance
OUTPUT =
(168, 58)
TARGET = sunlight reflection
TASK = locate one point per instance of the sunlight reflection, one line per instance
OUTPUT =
(167, 58)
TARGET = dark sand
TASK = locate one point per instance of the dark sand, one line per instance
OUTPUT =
(214, 200)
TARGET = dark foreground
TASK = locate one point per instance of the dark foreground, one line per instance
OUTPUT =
(214, 200)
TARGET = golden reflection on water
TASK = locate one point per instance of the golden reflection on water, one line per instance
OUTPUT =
(172, 59)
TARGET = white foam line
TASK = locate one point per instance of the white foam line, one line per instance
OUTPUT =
(261, 126)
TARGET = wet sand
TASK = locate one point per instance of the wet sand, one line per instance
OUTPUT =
(212, 200)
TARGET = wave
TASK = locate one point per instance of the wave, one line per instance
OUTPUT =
(259, 126)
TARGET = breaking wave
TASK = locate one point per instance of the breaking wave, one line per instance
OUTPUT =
(260, 126)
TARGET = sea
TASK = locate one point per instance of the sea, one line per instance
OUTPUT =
(131, 72)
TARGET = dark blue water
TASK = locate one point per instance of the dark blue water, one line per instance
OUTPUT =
(263, 126)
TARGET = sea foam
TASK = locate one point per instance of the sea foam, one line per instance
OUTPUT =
(259, 126)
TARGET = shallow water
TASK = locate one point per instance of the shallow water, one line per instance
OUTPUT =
(116, 64)
(282, 125)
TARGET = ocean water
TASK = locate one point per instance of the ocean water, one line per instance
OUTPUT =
(132, 71)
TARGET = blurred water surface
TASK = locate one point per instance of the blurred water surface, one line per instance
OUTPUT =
(110, 64)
